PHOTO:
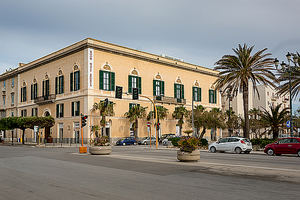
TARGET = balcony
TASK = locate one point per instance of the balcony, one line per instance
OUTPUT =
(169, 100)
(45, 99)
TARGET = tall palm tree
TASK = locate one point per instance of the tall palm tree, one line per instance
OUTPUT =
(274, 119)
(179, 113)
(237, 70)
(162, 113)
(104, 112)
(135, 112)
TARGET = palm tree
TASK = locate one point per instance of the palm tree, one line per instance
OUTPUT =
(274, 119)
(295, 79)
(162, 113)
(179, 113)
(136, 112)
(104, 112)
(237, 70)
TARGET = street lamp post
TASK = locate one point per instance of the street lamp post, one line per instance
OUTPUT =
(287, 68)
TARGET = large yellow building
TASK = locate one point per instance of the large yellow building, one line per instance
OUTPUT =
(69, 81)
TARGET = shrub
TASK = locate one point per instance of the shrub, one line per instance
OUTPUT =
(189, 144)
(174, 141)
(101, 141)
(203, 142)
(262, 142)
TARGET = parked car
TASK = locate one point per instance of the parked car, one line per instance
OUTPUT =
(146, 140)
(290, 145)
(231, 144)
(127, 141)
(166, 138)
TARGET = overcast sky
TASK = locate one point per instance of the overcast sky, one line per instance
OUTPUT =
(198, 31)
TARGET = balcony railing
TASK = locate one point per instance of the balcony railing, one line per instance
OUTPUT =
(45, 99)
(169, 100)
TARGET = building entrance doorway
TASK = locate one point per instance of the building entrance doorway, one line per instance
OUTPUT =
(48, 138)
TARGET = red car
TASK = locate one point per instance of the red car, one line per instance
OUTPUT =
(289, 145)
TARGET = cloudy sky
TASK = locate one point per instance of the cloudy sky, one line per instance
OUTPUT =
(198, 31)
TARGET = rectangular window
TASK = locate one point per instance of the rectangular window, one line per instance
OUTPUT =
(4, 97)
(12, 114)
(158, 88)
(196, 94)
(178, 91)
(23, 94)
(76, 80)
(46, 88)
(13, 82)
(75, 108)
(23, 113)
(59, 110)
(132, 105)
(4, 84)
(134, 82)
(107, 80)
(12, 99)
(34, 112)
(59, 85)
(212, 96)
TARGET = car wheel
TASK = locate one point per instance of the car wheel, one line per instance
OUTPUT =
(213, 149)
(247, 152)
(124, 144)
(270, 152)
(238, 150)
(299, 153)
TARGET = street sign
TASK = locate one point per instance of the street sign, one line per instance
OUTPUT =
(288, 124)
(148, 124)
(135, 93)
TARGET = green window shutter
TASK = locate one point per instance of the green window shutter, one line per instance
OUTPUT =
(57, 110)
(25, 93)
(71, 81)
(162, 88)
(72, 109)
(199, 94)
(209, 101)
(215, 96)
(140, 84)
(21, 94)
(78, 81)
(130, 106)
(175, 89)
(56, 85)
(101, 80)
(154, 87)
(193, 94)
(43, 89)
(182, 91)
(61, 85)
(31, 91)
(62, 110)
(129, 84)
(112, 81)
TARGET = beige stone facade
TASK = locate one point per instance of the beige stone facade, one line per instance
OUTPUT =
(86, 59)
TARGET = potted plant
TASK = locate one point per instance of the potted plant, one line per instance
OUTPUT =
(189, 149)
(100, 146)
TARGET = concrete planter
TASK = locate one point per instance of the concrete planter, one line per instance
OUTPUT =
(100, 150)
(188, 157)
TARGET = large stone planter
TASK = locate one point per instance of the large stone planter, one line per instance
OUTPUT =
(188, 157)
(100, 150)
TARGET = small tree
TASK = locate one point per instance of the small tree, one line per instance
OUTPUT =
(274, 119)
(162, 113)
(179, 113)
(104, 111)
(135, 112)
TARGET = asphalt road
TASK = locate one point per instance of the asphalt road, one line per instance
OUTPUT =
(141, 173)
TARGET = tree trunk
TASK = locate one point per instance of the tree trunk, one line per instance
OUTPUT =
(246, 110)
(275, 133)
(23, 136)
(197, 132)
(202, 133)
(136, 129)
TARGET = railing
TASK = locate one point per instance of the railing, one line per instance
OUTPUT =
(45, 99)
(169, 100)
